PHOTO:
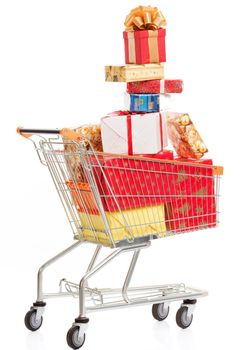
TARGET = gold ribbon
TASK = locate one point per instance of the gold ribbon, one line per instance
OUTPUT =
(143, 18)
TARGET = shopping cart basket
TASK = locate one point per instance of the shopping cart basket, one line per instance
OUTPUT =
(122, 202)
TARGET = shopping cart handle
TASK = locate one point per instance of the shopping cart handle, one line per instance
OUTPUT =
(65, 132)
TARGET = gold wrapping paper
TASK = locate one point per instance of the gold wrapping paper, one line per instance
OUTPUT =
(134, 72)
(152, 42)
(144, 17)
(141, 222)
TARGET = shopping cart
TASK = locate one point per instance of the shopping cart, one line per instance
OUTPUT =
(122, 202)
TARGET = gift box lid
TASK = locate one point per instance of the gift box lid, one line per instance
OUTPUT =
(141, 34)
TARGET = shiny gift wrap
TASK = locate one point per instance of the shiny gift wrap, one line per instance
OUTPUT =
(184, 137)
(166, 86)
(133, 72)
(143, 103)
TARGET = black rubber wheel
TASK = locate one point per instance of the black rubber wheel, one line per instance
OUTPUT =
(72, 338)
(159, 313)
(30, 320)
(182, 319)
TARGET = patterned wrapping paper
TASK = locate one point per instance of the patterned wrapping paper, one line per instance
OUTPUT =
(137, 183)
(184, 136)
(133, 72)
(166, 86)
(197, 207)
(146, 46)
(143, 103)
(140, 222)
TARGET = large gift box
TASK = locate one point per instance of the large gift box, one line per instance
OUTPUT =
(124, 225)
(145, 46)
(134, 72)
(144, 39)
(126, 133)
(149, 181)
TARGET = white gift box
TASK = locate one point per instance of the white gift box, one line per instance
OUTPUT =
(125, 133)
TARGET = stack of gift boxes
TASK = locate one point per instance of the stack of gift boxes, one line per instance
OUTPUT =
(143, 129)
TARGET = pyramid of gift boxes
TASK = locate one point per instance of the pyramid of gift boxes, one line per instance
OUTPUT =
(145, 127)
(176, 186)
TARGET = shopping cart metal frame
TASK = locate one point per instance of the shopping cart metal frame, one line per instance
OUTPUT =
(93, 299)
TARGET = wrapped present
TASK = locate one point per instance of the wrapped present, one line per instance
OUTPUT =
(144, 39)
(130, 133)
(128, 224)
(91, 138)
(142, 102)
(184, 137)
(134, 72)
(151, 181)
(155, 87)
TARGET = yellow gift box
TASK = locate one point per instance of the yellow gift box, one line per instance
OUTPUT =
(124, 225)
(134, 72)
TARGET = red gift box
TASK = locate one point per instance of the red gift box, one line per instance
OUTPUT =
(155, 87)
(144, 182)
(145, 46)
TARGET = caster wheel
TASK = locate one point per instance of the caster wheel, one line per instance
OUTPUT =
(182, 318)
(31, 322)
(159, 311)
(72, 338)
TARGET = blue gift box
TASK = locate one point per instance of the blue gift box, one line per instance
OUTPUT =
(144, 103)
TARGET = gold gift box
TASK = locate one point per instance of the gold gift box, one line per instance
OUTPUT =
(134, 72)
(123, 225)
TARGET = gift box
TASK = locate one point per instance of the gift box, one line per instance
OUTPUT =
(144, 40)
(145, 46)
(142, 102)
(130, 133)
(155, 87)
(151, 181)
(184, 137)
(126, 225)
(133, 72)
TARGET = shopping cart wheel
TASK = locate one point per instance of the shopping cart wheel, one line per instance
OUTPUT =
(31, 321)
(160, 311)
(73, 339)
(183, 320)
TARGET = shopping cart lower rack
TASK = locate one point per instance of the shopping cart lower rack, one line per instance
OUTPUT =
(124, 203)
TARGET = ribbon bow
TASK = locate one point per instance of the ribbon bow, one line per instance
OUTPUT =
(144, 17)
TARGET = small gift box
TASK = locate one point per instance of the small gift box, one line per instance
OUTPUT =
(184, 137)
(142, 102)
(144, 39)
(130, 133)
(155, 87)
(134, 72)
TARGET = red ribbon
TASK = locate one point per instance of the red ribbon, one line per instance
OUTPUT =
(129, 130)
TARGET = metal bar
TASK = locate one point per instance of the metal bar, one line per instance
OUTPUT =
(82, 284)
(129, 275)
(48, 263)
(168, 298)
(23, 131)
(94, 259)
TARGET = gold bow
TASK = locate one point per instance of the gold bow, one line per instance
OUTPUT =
(144, 17)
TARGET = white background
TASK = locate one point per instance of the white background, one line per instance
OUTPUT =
(52, 57)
